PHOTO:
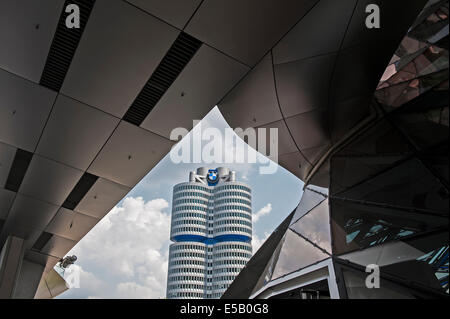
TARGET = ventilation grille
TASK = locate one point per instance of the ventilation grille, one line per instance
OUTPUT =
(76, 195)
(42, 241)
(179, 54)
(63, 47)
(19, 167)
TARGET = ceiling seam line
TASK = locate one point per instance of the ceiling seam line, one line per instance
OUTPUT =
(151, 15)
(155, 133)
(182, 30)
(227, 55)
(268, 51)
(281, 112)
(107, 140)
(192, 15)
(45, 125)
(89, 105)
(57, 93)
(330, 82)
(103, 146)
(308, 57)
(26, 79)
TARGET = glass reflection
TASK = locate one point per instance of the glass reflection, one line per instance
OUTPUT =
(408, 185)
(268, 270)
(309, 200)
(296, 254)
(315, 226)
(356, 226)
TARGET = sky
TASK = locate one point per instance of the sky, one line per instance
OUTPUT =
(125, 255)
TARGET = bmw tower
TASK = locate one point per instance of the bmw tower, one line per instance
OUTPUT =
(211, 231)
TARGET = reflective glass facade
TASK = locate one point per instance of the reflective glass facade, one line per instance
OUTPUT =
(383, 194)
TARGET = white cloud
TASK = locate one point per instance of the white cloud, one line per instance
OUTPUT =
(263, 211)
(257, 242)
(134, 290)
(127, 250)
(230, 149)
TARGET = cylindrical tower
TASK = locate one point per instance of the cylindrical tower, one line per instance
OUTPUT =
(187, 255)
(232, 231)
(211, 231)
(186, 275)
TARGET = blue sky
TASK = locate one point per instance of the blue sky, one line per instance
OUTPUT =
(125, 254)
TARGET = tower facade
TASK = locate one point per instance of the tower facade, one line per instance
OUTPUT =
(211, 231)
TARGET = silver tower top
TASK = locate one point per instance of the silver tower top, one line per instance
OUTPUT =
(212, 177)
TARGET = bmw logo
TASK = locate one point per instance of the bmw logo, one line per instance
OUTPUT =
(212, 177)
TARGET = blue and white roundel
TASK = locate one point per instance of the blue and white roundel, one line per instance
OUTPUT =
(212, 176)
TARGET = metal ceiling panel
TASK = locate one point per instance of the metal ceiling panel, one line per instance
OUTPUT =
(310, 38)
(31, 236)
(79, 191)
(18, 169)
(58, 246)
(295, 163)
(42, 259)
(101, 198)
(129, 154)
(75, 133)
(174, 61)
(246, 30)
(253, 101)
(303, 85)
(120, 48)
(366, 52)
(309, 129)
(25, 108)
(7, 153)
(64, 44)
(28, 215)
(26, 33)
(395, 19)
(195, 92)
(314, 154)
(355, 73)
(70, 224)
(6, 200)
(174, 12)
(346, 114)
(285, 142)
(48, 180)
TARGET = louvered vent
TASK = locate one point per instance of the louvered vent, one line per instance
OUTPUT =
(18, 169)
(81, 188)
(63, 47)
(42, 241)
(179, 54)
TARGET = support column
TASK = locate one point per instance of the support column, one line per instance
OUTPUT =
(28, 280)
(10, 264)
